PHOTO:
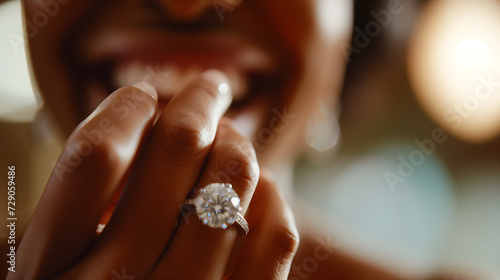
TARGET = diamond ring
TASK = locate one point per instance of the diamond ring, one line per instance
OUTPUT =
(218, 206)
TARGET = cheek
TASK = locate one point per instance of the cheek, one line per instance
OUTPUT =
(293, 21)
(307, 27)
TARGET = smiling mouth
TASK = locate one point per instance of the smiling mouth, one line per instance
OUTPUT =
(171, 60)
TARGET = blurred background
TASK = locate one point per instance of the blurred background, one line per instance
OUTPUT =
(410, 177)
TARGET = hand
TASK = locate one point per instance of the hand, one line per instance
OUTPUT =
(119, 151)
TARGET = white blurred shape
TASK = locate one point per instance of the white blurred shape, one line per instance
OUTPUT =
(17, 101)
(473, 54)
(323, 130)
(334, 16)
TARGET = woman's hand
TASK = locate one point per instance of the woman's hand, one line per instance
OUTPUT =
(119, 151)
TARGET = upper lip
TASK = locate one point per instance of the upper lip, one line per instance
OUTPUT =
(157, 46)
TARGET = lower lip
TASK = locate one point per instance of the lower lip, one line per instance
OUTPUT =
(171, 76)
(246, 118)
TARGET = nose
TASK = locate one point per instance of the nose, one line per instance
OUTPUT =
(185, 10)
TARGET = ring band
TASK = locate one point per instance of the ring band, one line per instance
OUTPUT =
(218, 206)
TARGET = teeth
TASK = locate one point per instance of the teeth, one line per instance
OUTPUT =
(170, 71)
(128, 74)
(238, 81)
(169, 79)
(180, 78)
(170, 85)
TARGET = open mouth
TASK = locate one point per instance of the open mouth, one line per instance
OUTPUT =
(170, 60)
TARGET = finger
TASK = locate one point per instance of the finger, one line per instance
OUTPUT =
(269, 248)
(146, 214)
(90, 167)
(231, 160)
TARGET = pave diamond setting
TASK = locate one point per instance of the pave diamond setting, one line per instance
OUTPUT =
(217, 205)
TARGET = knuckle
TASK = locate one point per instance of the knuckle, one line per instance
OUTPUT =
(107, 153)
(286, 237)
(239, 162)
(184, 134)
(101, 155)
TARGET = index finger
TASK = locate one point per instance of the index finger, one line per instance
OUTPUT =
(92, 164)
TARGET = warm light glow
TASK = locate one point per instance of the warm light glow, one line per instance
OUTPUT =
(473, 54)
(454, 66)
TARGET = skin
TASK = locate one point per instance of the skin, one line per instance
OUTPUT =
(61, 242)
(309, 63)
(146, 154)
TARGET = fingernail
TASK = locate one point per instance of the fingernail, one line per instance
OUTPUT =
(218, 79)
(147, 88)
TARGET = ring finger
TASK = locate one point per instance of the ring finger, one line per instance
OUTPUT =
(231, 160)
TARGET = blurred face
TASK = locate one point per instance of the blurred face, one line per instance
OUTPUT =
(283, 58)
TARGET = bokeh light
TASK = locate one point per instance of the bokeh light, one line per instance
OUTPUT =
(454, 67)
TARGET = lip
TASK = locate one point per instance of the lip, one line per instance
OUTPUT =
(247, 65)
(214, 48)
